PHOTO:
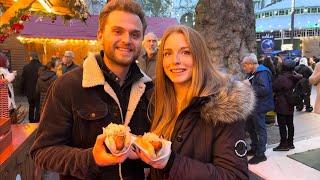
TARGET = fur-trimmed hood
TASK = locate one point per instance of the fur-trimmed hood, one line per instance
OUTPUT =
(233, 103)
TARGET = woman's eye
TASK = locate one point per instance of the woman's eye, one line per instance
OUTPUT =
(166, 54)
(186, 52)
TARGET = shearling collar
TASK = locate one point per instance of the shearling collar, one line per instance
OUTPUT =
(92, 74)
(233, 103)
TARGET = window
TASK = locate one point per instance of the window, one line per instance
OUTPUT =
(286, 12)
(267, 14)
(313, 10)
(297, 11)
(281, 12)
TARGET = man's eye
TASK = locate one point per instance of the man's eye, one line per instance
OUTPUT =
(135, 35)
(117, 31)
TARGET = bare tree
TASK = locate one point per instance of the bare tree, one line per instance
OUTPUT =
(229, 30)
(95, 6)
(157, 8)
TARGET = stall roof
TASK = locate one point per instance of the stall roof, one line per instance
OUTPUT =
(39, 27)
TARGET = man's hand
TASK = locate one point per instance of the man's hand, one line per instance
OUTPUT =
(100, 155)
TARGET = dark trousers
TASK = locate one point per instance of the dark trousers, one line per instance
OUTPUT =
(33, 109)
(256, 127)
(306, 99)
(286, 128)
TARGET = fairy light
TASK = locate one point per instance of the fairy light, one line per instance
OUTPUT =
(26, 40)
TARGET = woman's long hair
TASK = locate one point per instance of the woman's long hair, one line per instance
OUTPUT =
(206, 80)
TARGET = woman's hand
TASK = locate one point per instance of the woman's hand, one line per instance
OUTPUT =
(159, 164)
(102, 157)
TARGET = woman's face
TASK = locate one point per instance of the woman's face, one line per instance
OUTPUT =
(177, 60)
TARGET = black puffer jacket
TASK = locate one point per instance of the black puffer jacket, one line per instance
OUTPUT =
(208, 135)
(45, 79)
(283, 85)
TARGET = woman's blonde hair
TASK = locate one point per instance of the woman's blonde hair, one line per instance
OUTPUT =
(206, 80)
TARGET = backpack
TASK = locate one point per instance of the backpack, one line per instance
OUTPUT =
(296, 96)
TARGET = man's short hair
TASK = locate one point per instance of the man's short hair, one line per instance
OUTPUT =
(34, 55)
(129, 6)
(69, 54)
(250, 58)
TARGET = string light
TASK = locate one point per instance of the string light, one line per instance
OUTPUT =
(26, 40)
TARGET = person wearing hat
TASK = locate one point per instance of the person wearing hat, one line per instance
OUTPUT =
(282, 86)
(28, 85)
(306, 72)
(67, 62)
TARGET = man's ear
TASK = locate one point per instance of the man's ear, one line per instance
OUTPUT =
(100, 39)
(99, 35)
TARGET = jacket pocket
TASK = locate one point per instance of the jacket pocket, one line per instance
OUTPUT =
(88, 125)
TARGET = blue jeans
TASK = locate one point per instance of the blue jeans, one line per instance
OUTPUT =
(256, 126)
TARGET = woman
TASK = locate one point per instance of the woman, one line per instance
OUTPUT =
(46, 77)
(198, 111)
(314, 79)
(282, 87)
(6, 74)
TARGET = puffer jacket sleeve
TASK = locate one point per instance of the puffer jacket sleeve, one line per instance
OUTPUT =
(225, 165)
(50, 150)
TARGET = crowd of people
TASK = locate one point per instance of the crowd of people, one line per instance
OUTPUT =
(281, 84)
(171, 89)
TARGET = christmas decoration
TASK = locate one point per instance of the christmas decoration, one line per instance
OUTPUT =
(78, 10)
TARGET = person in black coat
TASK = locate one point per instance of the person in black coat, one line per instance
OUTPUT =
(28, 85)
(47, 76)
(284, 85)
(304, 85)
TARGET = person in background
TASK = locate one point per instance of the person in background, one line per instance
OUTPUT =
(260, 78)
(147, 61)
(9, 77)
(199, 110)
(28, 86)
(314, 79)
(108, 88)
(47, 76)
(67, 62)
(282, 86)
(304, 85)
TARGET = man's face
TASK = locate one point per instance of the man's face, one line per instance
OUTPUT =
(66, 60)
(121, 38)
(150, 44)
(247, 67)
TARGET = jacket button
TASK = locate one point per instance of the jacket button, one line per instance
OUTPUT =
(179, 138)
(93, 115)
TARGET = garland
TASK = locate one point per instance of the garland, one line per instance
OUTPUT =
(78, 8)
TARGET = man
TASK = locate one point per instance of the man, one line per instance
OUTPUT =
(261, 82)
(109, 88)
(147, 62)
(67, 62)
(28, 86)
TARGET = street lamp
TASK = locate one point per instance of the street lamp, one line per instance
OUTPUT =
(293, 2)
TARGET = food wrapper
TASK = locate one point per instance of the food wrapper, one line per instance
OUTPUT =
(149, 143)
(118, 138)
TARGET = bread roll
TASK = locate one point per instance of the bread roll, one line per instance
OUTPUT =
(150, 143)
(118, 137)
